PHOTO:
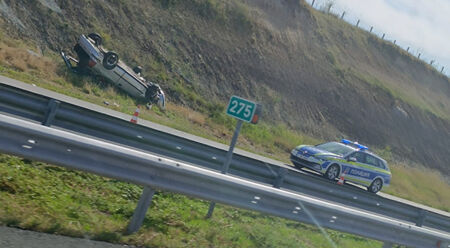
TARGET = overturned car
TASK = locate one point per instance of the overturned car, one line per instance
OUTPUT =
(94, 58)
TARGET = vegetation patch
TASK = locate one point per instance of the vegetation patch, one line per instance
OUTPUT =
(55, 200)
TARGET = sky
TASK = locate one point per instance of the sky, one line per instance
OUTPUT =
(422, 25)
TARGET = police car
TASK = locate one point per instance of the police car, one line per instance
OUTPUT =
(349, 160)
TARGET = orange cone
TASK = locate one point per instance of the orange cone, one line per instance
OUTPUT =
(134, 119)
(341, 179)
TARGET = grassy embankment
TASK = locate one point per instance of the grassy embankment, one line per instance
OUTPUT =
(51, 199)
(46, 198)
(367, 44)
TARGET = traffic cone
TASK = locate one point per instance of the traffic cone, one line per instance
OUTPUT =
(341, 179)
(134, 118)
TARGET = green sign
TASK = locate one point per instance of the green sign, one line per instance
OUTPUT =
(241, 109)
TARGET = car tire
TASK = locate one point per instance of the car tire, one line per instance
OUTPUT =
(110, 60)
(137, 69)
(332, 172)
(375, 186)
(97, 38)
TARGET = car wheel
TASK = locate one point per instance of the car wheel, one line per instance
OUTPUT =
(332, 172)
(110, 60)
(96, 37)
(137, 69)
(375, 186)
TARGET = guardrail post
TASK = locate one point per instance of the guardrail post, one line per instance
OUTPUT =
(421, 218)
(141, 210)
(281, 173)
(52, 107)
(212, 205)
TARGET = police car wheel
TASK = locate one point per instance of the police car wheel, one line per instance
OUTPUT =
(375, 186)
(332, 172)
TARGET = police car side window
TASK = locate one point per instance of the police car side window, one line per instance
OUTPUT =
(360, 157)
(372, 161)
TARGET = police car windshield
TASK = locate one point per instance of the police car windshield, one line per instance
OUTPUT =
(336, 148)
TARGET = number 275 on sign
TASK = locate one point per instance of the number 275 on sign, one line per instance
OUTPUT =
(241, 108)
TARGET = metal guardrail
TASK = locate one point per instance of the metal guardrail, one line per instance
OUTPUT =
(49, 108)
(37, 142)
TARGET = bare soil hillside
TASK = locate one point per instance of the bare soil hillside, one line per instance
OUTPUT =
(309, 69)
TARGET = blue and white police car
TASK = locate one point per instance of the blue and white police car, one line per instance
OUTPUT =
(349, 160)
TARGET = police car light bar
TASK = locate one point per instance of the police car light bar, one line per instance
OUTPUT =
(355, 144)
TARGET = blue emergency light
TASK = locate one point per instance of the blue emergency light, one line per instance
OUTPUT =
(354, 144)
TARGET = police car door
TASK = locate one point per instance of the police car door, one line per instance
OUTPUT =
(373, 162)
(358, 173)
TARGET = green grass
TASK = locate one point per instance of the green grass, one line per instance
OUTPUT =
(419, 185)
(51, 199)
(233, 13)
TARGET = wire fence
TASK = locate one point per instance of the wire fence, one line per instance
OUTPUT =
(328, 7)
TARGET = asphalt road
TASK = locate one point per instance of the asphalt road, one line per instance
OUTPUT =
(17, 238)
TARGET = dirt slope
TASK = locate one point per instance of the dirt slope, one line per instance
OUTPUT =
(310, 70)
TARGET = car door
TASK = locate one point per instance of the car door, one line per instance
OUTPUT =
(359, 171)
(379, 169)
(131, 84)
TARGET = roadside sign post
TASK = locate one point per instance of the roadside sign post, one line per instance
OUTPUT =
(243, 110)
(227, 162)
